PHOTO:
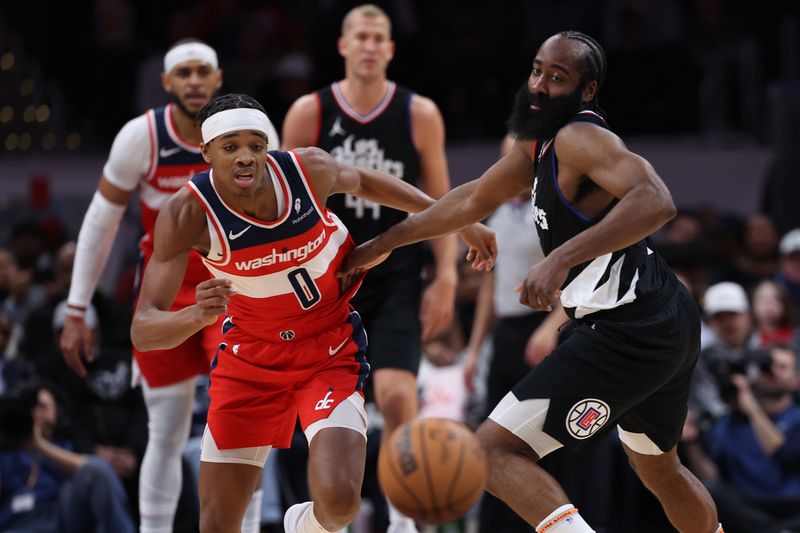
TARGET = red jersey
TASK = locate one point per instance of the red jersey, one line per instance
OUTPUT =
(283, 271)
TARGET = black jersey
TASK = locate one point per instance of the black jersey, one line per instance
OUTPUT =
(609, 281)
(380, 140)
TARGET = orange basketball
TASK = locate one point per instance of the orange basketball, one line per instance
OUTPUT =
(432, 470)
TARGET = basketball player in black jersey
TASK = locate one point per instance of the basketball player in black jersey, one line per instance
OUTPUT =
(369, 121)
(630, 360)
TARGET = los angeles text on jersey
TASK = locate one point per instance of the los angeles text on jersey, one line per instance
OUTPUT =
(366, 153)
(275, 257)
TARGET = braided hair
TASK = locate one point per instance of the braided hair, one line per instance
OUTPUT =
(225, 102)
(595, 65)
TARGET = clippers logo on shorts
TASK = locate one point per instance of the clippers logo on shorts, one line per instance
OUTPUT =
(586, 417)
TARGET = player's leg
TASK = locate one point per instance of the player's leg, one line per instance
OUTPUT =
(228, 479)
(395, 396)
(335, 473)
(392, 314)
(331, 409)
(571, 396)
(651, 430)
(514, 476)
(685, 500)
(211, 338)
(337, 451)
(169, 410)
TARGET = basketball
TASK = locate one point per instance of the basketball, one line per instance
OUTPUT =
(432, 470)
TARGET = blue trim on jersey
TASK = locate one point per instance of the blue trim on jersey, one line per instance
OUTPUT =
(360, 338)
(175, 154)
(558, 190)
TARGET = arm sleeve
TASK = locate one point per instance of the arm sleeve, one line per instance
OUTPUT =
(131, 154)
(127, 163)
(95, 239)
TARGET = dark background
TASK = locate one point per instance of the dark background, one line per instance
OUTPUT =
(676, 67)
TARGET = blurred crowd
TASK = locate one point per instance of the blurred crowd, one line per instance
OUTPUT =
(96, 64)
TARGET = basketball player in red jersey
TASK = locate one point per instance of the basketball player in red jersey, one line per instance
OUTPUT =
(370, 121)
(292, 345)
(156, 153)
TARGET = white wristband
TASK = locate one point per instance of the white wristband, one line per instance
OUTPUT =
(95, 239)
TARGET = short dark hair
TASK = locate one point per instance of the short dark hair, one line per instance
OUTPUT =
(228, 101)
(595, 64)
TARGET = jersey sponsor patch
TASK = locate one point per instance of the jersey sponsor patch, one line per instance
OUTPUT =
(586, 417)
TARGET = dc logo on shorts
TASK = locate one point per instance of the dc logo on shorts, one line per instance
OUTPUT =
(287, 335)
(586, 417)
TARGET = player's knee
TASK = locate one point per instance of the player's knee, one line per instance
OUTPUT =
(339, 500)
(395, 400)
(214, 519)
(498, 442)
(655, 469)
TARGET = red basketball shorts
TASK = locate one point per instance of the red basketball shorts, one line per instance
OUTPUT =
(258, 388)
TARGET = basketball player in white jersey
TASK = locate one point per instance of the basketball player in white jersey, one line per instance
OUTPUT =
(155, 154)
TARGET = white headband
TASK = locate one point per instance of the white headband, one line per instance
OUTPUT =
(189, 52)
(242, 118)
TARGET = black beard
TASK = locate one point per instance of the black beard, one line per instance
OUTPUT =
(528, 124)
(184, 110)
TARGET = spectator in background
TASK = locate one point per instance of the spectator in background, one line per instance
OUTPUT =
(12, 369)
(46, 486)
(789, 266)
(728, 316)
(757, 449)
(109, 417)
(23, 296)
(760, 257)
(773, 315)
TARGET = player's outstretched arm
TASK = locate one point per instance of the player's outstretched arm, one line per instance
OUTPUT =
(179, 227)
(462, 206)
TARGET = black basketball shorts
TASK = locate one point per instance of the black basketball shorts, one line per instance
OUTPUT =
(390, 312)
(630, 367)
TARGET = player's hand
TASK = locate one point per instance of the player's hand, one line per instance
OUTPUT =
(482, 246)
(436, 308)
(745, 398)
(76, 345)
(356, 264)
(213, 297)
(470, 369)
(542, 286)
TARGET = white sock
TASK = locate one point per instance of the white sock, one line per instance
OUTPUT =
(169, 412)
(398, 522)
(299, 518)
(251, 523)
(565, 519)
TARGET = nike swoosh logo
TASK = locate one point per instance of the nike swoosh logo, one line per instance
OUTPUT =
(334, 351)
(172, 151)
(233, 236)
